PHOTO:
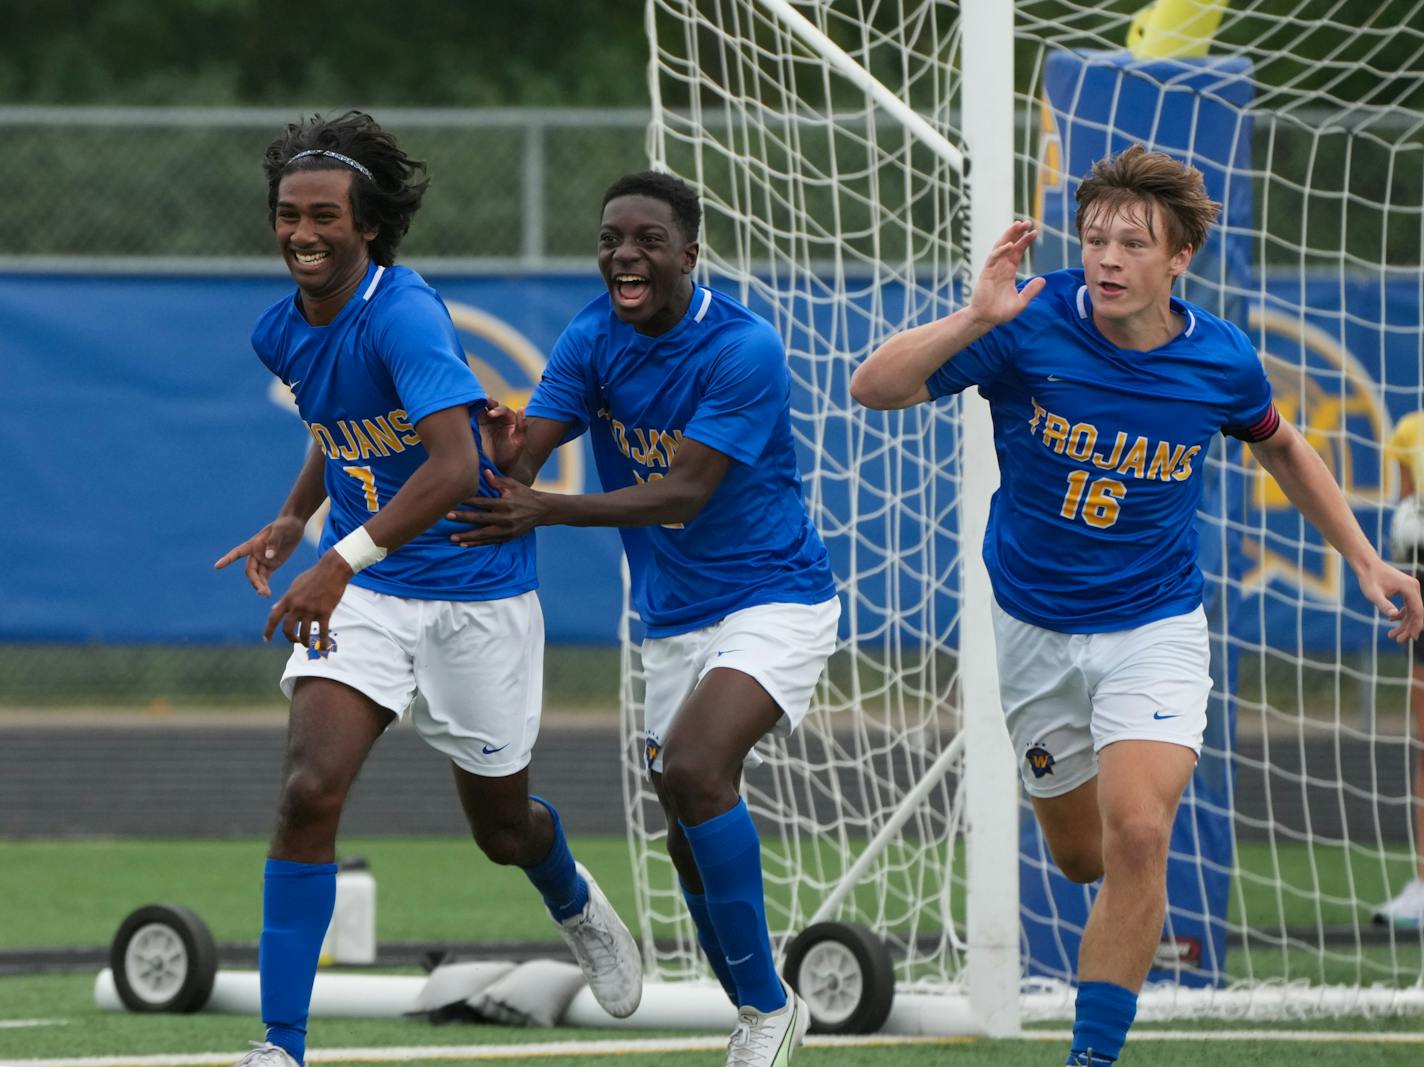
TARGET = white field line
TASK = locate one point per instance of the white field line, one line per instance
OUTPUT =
(614, 1047)
(645, 1046)
(19, 1024)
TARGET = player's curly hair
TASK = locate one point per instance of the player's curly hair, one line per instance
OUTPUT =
(670, 189)
(1154, 179)
(385, 195)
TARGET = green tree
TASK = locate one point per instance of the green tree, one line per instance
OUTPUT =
(322, 53)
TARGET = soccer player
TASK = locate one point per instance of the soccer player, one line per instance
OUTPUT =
(391, 606)
(687, 396)
(1106, 392)
(1406, 542)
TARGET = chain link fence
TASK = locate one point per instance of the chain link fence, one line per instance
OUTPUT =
(177, 189)
(163, 184)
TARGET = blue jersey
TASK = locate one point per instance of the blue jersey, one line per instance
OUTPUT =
(720, 378)
(362, 382)
(1101, 453)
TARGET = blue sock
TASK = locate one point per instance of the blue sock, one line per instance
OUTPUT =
(297, 902)
(728, 854)
(565, 893)
(1105, 1011)
(707, 938)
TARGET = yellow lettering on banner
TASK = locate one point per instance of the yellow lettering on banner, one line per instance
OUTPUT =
(368, 485)
(1136, 461)
(1082, 439)
(1055, 432)
(401, 423)
(1162, 464)
(1184, 468)
(1111, 461)
(384, 437)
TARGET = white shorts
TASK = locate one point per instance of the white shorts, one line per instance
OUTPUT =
(478, 663)
(1066, 696)
(784, 647)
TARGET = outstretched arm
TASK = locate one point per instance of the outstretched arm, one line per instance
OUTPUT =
(692, 478)
(1307, 482)
(894, 375)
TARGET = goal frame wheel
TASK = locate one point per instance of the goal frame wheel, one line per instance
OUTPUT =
(163, 959)
(845, 975)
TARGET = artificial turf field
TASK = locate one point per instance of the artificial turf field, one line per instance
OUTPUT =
(75, 893)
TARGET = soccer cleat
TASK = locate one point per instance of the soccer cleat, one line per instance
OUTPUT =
(605, 951)
(1088, 1059)
(767, 1039)
(1407, 909)
(266, 1054)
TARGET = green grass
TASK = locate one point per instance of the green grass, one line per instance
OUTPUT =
(427, 888)
(87, 1031)
(75, 893)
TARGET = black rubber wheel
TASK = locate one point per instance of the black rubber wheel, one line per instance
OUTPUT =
(844, 974)
(163, 959)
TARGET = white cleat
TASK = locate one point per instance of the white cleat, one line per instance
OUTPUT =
(1407, 909)
(266, 1054)
(605, 951)
(767, 1039)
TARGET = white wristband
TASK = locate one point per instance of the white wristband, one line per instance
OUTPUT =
(358, 550)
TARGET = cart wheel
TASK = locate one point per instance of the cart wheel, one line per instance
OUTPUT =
(844, 974)
(163, 959)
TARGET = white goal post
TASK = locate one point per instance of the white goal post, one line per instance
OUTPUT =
(856, 161)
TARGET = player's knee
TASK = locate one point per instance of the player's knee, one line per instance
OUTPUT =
(1081, 865)
(310, 798)
(696, 785)
(679, 851)
(1135, 840)
(505, 842)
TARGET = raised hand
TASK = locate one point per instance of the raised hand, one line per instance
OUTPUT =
(265, 551)
(996, 298)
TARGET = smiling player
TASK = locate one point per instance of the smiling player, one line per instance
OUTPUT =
(1106, 392)
(391, 606)
(687, 396)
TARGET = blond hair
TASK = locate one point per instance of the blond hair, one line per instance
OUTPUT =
(1135, 177)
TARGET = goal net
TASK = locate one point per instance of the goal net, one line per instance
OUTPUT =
(854, 157)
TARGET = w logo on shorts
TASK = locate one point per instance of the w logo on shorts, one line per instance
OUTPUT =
(322, 647)
(1040, 761)
(652, 748)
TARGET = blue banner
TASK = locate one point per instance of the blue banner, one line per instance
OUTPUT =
(144, 439)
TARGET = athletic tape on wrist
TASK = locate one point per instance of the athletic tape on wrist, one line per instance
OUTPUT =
(358, 550)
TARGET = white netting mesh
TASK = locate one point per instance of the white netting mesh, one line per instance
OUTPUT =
(841, 227)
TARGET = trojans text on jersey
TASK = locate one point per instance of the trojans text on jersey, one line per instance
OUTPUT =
(1140, 457)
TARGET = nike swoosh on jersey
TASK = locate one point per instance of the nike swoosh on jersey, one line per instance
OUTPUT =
(1159, 715)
